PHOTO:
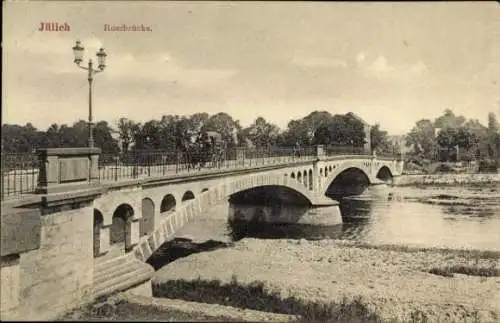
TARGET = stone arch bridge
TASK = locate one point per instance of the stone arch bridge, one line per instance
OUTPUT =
(93, 237)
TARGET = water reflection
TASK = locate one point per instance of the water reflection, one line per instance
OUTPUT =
(445, 217)
(453, 217)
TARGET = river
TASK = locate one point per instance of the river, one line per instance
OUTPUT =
(442, 217)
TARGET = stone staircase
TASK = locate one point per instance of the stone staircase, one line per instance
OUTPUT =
(119, 274)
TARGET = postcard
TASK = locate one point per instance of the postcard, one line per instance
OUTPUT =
(250, 161)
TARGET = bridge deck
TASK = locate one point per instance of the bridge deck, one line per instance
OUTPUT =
(114, 175)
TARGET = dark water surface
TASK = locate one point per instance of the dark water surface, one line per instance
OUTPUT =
(451, 217)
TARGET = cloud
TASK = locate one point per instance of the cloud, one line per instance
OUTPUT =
(418, 68)
(380, 65)
(161, 67)
(380, 68)
(319, 62)
(360, 58)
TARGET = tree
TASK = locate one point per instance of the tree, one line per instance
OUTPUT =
(449, 120)
(197, 122)
(168, 133)
(224, 124)
(20, 139)
(493, 123)
(127, 130)
(261, 133)
(148, 136)
(104, 138)
(422, 138)
(379, 139)
(303, 130)
(341, 130)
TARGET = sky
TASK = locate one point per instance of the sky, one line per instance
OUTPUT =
(390, 63)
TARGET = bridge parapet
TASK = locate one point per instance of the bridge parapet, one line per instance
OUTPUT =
(67, 169)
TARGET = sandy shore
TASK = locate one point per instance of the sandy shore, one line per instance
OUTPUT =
(388, 285)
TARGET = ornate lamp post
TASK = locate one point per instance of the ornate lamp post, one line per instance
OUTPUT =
(101, 61)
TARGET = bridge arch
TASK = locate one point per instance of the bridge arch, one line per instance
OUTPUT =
(188, 195)
(168, 203)
(384, 174)
(269, 194)
(197, 206)
(147, 224)
(120, 231)
(351, 179)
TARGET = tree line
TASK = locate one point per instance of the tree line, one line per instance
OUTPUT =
(450, 137)
(171, 132)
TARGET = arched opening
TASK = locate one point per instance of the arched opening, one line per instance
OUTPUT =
(351, 181)
(384, 174)
(167, 203)
(148, 217)
(321, 172)
(120, 227)
(204, 190)
(311, 186)
(98, 220)
(326, 171)
(305, 178)
(187, 196)
(272, 195)
(255, 207)
(293, 175)
(299, 177)
(330, 168)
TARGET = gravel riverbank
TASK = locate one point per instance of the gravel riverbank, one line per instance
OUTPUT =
(328, 280)
(447, 179)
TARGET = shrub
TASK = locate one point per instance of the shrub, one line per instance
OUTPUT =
(488, 166)
(444, 168)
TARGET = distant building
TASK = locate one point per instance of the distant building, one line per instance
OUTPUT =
(367, 129)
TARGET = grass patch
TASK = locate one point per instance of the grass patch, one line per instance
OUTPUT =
(466, 270)
(122, 310)
(255, 296)
(465, 253)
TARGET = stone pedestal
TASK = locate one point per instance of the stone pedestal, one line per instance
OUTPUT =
(320, 151)
(67, 169)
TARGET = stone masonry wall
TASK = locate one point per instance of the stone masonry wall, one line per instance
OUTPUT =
(9, 292)
(59, 275)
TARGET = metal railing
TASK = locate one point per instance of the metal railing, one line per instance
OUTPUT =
(139, 164)
(332, 150)
(19, 174)
(20, 171)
